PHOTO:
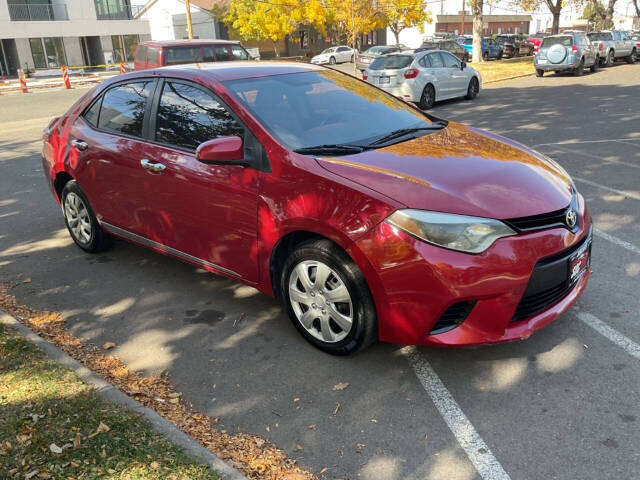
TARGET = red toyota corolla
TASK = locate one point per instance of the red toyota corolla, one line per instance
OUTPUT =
(368, 218)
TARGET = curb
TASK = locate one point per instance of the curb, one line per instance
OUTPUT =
(508, 78)
(107, 391)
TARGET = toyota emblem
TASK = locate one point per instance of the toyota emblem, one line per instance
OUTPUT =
(571, 218)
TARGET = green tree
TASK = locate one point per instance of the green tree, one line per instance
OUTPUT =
(595, 13)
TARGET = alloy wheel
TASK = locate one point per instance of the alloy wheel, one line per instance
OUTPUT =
(78, 219)
(321, 301)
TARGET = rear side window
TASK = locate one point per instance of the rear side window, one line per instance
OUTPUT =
(392, 62)
(436, 60)
(424, 62)
(178, 56)
(188, 116)
(141, 53)
(221, 53)
(566, 41)
(123, 108)
(239, 53)
(152, 55)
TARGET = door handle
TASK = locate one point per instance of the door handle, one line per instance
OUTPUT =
(80, 144)
(154, 167)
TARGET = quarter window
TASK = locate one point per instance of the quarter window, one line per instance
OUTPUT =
(123, 108)
(188, 116)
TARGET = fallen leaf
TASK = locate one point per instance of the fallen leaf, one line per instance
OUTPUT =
(108, 346)
(174, 395)
(268, 429)
(27, 280)
(298, 447)
(102, 428)
(44, 475)
(360, 446)
(340, 386)
(74, 464)
(313, 427)
(324, 470)
(55, 448)
(335, 411)
(174, 400)
(31, 474)
(76, 441)
(296, 400)
(374, 420)
(103, 453)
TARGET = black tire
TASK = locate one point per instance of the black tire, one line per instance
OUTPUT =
(611, 58)
(485, 56)
(500, 54)
(98, 240)
(364, 329)
(631, 58)
(428, 97)
(352, 59)
(579, 71)
(332, 60)
(596, 65)
(465, 58)
(539, 73)
(472, 89)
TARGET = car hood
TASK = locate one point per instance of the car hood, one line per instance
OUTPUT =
(460, 170)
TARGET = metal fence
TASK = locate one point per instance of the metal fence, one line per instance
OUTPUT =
(38, 11)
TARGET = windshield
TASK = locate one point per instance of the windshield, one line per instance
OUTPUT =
(391, 62)
(634, 37)
(329, 50)
(595, 36)
(325, 107)
(378, 50)
(564, 40)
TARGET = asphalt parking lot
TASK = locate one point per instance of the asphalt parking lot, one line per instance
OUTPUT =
(562, 404)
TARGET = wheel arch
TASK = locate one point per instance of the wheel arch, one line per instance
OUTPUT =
(61, 179)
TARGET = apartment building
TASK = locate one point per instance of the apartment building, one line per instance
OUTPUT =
(46, 34)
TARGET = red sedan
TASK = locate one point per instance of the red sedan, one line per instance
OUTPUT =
(368, 218)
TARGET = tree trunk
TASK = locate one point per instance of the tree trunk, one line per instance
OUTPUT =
(396, 33)
(637, 5)
(477, 30)
(275, 48)
(608, 19)
(556, 22)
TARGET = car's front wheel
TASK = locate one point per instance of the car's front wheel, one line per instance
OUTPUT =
(473, 89)
(327, 298)
(332, 61)
(81, 221)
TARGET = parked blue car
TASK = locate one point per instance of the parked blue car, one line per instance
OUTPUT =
(490, 48)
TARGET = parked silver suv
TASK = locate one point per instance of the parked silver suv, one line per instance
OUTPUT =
(567, 51)
(613, 45)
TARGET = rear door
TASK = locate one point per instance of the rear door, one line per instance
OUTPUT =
(206, 212)
(440, 74)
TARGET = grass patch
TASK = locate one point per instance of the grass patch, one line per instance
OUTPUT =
(53, 426)
(496, 70)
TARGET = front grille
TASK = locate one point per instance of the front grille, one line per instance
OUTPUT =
(549, 282)
(452, 317)
(539, 222)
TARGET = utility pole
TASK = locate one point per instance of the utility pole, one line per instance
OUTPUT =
(187, 3)
(462, 22)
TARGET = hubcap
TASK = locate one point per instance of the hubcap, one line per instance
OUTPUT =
(77, 217)
(321, 301)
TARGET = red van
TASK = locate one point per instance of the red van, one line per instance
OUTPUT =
(175, 52)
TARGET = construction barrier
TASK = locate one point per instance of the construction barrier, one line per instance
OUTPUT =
(23, 82)
(65, 77)
(123, 68)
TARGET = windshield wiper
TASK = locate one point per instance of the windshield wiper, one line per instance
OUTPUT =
(331, 149)
(402, 132)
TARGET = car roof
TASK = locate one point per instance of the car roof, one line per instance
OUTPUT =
(223, 71)
(183, 43)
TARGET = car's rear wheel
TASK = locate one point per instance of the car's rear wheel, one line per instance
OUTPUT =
(327, 298)
(539, 73)
(611, 58)
(580, 70)
(499, 57)
(596, 65)
(632, 58)
(81, 222)
(485, 56)
(472, 89)
(332, 61)
(428, 97)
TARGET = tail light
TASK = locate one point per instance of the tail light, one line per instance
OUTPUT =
(574, 49)
(600, 46)
(411, 73)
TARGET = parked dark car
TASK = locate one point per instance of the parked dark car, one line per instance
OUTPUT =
(179, 52)
(364, 59)
(515, 45)
(451, 46)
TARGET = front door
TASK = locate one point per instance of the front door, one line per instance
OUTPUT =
(457, 78)
(208, 211)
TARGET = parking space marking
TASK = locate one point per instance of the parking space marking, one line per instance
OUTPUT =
(587, 141)
(618, 241)
(476, 449)
(596, 157)
(624, 342)
(635, 196)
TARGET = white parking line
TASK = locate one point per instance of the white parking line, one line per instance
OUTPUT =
(621, 243)
(628, 345)
(635, 196)
(608, 161)
(478, 452)
(586, 141)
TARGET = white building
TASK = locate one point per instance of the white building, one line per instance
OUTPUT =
(168, 19)
(44, 34)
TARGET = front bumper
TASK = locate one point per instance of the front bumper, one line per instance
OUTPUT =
(322, 61)
(414, 284)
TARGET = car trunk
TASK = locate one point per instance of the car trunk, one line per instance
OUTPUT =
(387, 78)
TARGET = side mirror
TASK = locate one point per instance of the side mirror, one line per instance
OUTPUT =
(463, 65)
(222, 151)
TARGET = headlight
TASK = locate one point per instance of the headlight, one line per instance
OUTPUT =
(456, 232)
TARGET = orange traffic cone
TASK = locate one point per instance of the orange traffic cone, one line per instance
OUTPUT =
(65, 77)
(123, 68)
(23, 82)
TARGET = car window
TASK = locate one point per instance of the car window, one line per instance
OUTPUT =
(623, 36)
(343, 49)
(239, 53)
(566, 41)
(424, 62)
(152, 55)
(221, 53)
(123, 108)
(141, 53)
(188, 116)
(181, 55)
(391, 62)
(207, 54)
(92, 113)
(323, 107)
(449, 60)
(435, 60)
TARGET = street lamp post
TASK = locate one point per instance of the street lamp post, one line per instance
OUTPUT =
(187, 3)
